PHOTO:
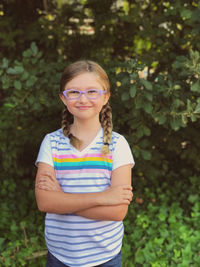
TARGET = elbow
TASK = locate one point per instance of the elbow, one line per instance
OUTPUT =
(46, 206)
(42, 207)
(43, 200)
(42, 204)
(121, 213)
(119, 217)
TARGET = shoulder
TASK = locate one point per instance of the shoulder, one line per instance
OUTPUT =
(56, 135)
(116, 135)
(50, 141)
(121, 151)
(118, 139)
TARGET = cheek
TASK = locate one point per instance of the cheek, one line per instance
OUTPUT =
(69, 105)
(100, 106)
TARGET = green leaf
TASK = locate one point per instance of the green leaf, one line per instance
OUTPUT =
(34, 48)
(16, 70)
(134, 76)
(140, 132)
(146, 84)
(176, 103)
(197, 109)
(161, 119)
(17, 85)
(189, 106)
(148, 107)
(125, 96)
(139, 256)
(186, 13)
(193, 117)
(146, 131)
(2, 241)
(133, 91)
(149, 96)
(177, 87)
(193, 198)
(30, 82)
(5, 63)
(5, 82)
(196, 87)
(138, 103)
(27, 53)
(9, 105)
(146, 154)
(175, 123)
(125, 80)
(25, 76)
(184, 119)
(36, 106)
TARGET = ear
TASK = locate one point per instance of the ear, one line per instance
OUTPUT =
(107, 96)
(63, 99)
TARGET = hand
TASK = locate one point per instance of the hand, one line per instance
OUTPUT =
(47, 181)
(121, 194)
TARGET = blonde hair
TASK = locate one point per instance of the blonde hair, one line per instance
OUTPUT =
(70, 72)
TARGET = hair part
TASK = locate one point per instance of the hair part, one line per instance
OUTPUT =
(70, 72)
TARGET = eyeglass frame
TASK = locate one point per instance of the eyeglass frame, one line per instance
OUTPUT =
(101, 92)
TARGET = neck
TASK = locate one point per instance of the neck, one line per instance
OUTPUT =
(81, 128)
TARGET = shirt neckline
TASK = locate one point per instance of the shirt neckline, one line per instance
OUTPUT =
(87, 148)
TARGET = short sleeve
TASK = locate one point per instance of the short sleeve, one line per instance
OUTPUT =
(45, 154)
(122, 154)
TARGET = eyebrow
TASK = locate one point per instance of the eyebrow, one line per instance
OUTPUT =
(77, 88)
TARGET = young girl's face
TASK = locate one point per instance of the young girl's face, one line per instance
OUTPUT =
(84, 108)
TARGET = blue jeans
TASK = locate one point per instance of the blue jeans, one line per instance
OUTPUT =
(53, 262)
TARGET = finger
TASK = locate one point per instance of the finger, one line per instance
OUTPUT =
(127, 187)
(128, 196)
(46, 180)
(43, 187)
(44, 184)
(126, 201)
(49, 175)
(49, 186)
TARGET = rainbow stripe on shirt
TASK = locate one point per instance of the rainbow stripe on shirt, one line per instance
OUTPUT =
(88, 161)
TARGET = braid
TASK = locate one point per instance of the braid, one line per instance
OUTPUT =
(67, 119)
(106, 123)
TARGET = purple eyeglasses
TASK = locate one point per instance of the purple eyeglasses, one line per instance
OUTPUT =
(73, 94)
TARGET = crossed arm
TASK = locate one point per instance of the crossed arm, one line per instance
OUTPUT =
(111, 204)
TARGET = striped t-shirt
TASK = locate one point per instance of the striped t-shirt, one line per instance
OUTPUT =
(72, 239)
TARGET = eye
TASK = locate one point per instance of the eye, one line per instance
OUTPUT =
(74, 92)
(93, 92)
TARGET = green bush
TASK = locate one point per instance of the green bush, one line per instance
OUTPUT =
(159, 121)
(158, 114)
(164, 229)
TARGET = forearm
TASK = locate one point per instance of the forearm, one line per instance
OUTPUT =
(105, 213)
(60, 202)
(50, 197)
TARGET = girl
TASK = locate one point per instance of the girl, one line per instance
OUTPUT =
(83, 182)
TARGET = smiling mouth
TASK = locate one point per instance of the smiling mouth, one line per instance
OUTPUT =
(83, 107)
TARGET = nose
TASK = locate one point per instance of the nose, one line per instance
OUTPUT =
(83, 98)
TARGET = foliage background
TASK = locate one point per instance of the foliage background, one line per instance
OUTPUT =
(150, 50)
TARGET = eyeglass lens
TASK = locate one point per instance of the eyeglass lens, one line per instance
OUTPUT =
(74, 94)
